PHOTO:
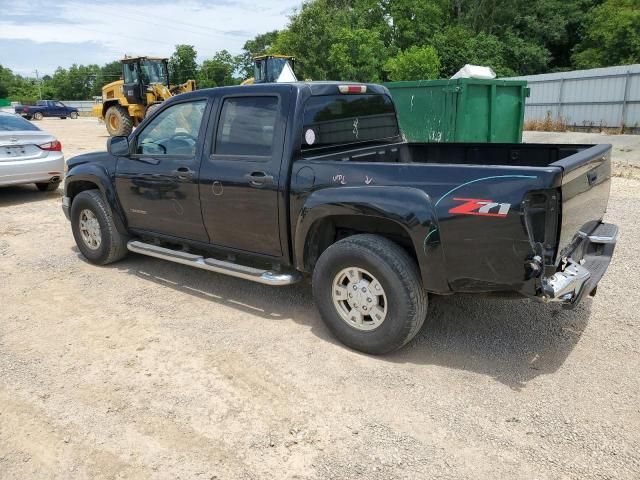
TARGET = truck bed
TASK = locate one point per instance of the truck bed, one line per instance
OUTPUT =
(506, 154)
(573, 181)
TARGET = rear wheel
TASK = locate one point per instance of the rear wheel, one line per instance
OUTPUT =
(94, 230)
(48, 186)
(37, 116)
(369, 293)
(73, 115)
(118, 121)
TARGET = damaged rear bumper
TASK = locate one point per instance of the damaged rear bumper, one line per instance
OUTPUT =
(582, 271)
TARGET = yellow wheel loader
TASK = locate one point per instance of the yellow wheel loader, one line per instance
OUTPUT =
(271, 69)
(143, 86)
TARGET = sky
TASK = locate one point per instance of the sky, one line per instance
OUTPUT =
(42, 35)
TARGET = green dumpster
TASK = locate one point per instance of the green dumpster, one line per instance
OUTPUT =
(5, 102)
(461, 110)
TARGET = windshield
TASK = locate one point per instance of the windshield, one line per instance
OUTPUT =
(153, 71)
(15, 123)
(333, 120)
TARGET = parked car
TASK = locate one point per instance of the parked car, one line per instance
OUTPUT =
(29, 155)
(46, 108)
(276, 181)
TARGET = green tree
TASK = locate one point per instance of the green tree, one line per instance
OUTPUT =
(457, 46)
(108, 73)
(219, 70)
(260, 45)
(612, 35)
(414, 63)
(357, 55)
(182, 64)
(415, 22)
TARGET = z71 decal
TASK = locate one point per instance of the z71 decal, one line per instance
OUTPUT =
(478, 206)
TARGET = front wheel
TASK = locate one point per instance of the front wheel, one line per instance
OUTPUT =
(369, 293)
(94, 230)
(73, 115)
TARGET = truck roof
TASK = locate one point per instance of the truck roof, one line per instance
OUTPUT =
(313, 88)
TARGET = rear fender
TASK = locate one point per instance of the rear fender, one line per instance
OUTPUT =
(410, 208)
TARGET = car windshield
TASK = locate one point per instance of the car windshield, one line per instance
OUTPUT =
(153, 72)
(10, 123)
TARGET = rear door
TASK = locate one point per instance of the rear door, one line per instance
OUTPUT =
(240, 176)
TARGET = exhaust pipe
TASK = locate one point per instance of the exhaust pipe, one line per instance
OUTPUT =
(54, 179)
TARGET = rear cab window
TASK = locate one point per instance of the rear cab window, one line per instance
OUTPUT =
(348, 120)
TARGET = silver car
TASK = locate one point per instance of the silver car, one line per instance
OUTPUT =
(29, 155)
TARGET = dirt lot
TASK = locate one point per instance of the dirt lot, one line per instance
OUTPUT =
(146, 369)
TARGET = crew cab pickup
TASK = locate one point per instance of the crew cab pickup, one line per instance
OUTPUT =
(277, 182)
(46, 108)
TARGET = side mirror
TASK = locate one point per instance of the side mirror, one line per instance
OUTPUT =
(118, 146)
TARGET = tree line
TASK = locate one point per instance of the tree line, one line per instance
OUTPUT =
(381, 40)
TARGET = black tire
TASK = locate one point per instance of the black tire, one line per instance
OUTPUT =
(118, 121)
(73, 115)
(48, 186)
(63, 118)
(38, 116)
(28, 117)
(399, 277)
(113, 245)
(151, 109)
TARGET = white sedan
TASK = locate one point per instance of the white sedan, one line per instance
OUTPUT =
(29, 155)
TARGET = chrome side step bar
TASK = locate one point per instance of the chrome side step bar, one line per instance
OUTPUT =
(267, 277)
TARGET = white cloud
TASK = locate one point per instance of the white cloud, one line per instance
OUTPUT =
(72, 31)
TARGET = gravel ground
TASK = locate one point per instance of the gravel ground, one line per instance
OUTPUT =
(146, 369)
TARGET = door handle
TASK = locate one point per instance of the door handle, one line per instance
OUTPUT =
(258, 179)
(183, 173)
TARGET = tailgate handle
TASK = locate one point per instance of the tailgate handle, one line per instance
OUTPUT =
(592, 176)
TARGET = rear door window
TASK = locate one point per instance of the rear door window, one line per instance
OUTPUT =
(246, 126)
(334, 120)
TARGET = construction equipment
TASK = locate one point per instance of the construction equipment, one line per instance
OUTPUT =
(271, 69)
(143, 86)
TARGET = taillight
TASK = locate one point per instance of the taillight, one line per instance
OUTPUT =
(25, 109)
(54, 146)
(352, 88)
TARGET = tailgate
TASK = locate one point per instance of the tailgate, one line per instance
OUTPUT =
(586, 181)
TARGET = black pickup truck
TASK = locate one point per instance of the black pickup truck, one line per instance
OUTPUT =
(276, 182)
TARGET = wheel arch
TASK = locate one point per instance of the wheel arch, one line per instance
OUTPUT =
(93, 178)
(402, 214)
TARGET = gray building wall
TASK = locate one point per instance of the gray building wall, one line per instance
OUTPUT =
(608, 97)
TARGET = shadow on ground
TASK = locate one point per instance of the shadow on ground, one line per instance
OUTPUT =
(513, 341)
(22, 194)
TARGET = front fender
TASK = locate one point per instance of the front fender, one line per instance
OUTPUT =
(99, 176)
(410, 208)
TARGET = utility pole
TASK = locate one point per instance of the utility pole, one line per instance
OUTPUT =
(39, 88)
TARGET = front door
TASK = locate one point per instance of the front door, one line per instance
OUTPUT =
(239, 179)
(158, 184)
